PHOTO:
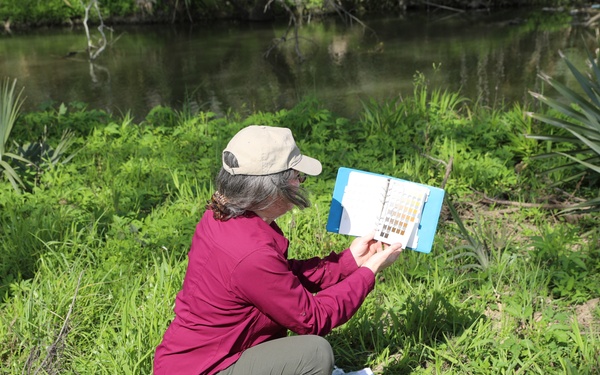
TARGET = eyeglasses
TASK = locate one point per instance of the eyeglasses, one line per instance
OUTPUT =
(301, 177)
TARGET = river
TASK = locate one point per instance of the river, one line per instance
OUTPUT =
(491, 57)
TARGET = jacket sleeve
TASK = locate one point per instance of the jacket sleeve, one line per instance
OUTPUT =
(265, 280)
(320, 273)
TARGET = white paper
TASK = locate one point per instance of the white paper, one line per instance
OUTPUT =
(362, 202)
(339, 371)
(363, 206)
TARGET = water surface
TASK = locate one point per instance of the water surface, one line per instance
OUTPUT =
(490, 57)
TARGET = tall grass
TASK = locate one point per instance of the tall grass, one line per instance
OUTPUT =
(92, 258)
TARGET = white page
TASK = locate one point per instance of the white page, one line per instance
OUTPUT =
(362, 202)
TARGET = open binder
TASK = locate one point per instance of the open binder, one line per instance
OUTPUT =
(398, 210)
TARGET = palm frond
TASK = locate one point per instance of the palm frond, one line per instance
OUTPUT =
(593, 167)
(586, 84)
(10, 105)
(568, 109)
(581, 119)
(11, 175)
(563, 124)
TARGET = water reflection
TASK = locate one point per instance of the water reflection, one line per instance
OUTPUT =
(492, 58)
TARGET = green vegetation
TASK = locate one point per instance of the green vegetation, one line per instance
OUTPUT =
(93, 250)
(69, 12)
(579, 126)
(10, 104)
(63, 12)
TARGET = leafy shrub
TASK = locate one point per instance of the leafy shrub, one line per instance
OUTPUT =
(572, 273)
(39, 12)
(162, 116)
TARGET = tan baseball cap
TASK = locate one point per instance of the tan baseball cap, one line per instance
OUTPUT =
(262, 150)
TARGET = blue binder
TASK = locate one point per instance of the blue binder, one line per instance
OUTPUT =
(429, 217)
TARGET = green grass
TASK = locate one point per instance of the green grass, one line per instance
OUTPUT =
(94, 252)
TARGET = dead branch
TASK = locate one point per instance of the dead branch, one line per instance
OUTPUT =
(447, 164)
(294, 24)
(344, 14)
(53, 349)
(592, 20)
(499, 212)
(448, 170)
(101, 30)
(571, 196)
(187, 9)
(94, 51)
(488, 200)
(546, 206)
(93, 68)
(6, 26)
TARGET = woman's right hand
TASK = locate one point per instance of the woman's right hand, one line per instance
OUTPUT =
(383, 258)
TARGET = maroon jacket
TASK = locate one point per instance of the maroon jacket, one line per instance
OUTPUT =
(240, 290)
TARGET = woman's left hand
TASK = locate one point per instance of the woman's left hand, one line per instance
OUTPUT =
(363, 247)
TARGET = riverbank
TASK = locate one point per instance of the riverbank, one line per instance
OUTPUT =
(493, 58)
(18, 15)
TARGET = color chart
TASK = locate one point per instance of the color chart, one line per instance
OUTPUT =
(397, 210)
(401, 213)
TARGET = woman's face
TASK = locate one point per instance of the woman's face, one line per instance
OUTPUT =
(281, 205)
(297, 179)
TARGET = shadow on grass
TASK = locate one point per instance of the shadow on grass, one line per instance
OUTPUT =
(396, 339)
(30, 230)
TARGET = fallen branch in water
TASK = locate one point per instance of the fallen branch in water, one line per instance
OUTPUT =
(293, 22)
(93, 51)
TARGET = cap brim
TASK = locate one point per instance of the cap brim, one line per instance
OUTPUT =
(308, 165)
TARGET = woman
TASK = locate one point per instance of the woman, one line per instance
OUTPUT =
(241, 294)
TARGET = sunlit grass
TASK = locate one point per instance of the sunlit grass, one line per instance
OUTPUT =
(92, 258)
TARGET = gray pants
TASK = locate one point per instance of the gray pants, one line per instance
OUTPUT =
(292, 355)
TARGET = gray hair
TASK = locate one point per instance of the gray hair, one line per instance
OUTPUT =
(245, 193)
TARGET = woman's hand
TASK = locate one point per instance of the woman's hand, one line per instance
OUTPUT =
(364, 247)
(373, 254)
(384, 257)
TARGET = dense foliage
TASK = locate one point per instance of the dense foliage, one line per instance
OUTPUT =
(20, 13)
(94, 247)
